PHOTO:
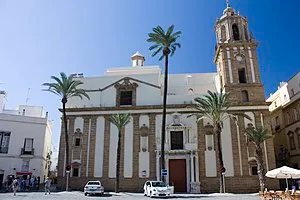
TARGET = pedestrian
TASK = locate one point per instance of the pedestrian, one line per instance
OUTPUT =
(15, 185)
(23, 184)
(47, 185)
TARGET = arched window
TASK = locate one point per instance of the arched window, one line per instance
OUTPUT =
(245, 97)
(291, 140)
(235, 31)
(223, 33)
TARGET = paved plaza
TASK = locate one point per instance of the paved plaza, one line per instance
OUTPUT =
(123, 196)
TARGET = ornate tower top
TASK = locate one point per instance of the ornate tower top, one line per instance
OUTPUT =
(137, 59)
(228, 10)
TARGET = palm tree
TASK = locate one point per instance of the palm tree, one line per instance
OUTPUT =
(66, 87)
(120, 121)
(164, 42)
(257, 136)
(214, 106)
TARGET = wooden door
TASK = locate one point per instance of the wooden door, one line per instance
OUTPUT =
(177, 174)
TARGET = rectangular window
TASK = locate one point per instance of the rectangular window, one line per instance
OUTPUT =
(77, 142)
(176, 140)
(125, 98)
(254, 170)
(28, 146)
(4, 141)
(75, 172)
(25, 166)
(242, 75)
(292, 91)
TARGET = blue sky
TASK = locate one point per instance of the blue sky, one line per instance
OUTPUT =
(42, 38)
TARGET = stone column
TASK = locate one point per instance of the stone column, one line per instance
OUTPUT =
(192, 167)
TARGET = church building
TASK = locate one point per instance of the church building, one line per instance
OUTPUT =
(190, 155)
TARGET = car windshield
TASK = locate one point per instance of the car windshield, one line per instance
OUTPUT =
(158, 184)
(94, 183)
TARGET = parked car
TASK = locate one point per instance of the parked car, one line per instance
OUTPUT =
(93, 187)
(157, 189)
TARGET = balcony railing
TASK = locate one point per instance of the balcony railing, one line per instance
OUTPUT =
(27, 152)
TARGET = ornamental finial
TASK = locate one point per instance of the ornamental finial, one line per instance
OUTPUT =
(227, 2)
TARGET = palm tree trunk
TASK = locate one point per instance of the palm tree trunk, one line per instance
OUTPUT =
(64, 101)
(217, 132)
(163, 128)
(260, 167)
(118, 163)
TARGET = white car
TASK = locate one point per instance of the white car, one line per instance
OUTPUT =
(157, 189)
(93, 187)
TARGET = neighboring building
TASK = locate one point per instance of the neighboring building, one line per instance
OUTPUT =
(285, 119)
(190, 147)
(25, 140)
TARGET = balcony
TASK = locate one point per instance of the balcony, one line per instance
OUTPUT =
(27, 153)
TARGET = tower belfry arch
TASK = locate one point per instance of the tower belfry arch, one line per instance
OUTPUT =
(236, 58)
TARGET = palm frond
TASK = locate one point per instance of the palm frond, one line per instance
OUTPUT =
(65, 87)
(120, 120)
(257, 135)
(164, 42)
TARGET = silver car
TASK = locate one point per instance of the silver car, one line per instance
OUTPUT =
(93, 187)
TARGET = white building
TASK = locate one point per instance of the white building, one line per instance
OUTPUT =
(25, 140)
(285, 121)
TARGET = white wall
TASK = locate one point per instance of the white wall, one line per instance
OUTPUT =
(128, 150)
(98, 168)
(227, 148)
(22, 127)
(113, 143)
(179, 85)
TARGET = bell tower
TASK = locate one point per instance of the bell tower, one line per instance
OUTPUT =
(236, 59)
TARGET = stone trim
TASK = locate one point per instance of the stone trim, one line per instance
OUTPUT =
(126, 86)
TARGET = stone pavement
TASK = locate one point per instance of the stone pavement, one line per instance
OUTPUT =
(121, 196)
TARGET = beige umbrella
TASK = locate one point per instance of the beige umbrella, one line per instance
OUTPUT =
(284, 173)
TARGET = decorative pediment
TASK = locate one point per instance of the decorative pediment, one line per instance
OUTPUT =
(126, 84)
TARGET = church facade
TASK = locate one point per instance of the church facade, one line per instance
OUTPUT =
(190, 146)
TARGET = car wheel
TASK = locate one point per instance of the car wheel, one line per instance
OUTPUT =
(101, 194)
(85, 194)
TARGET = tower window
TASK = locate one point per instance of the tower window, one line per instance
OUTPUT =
(245, 97)
(235, 31)
(242, 75)
(77, 142)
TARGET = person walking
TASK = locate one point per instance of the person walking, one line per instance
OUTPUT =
(15, 185)
(47, 185)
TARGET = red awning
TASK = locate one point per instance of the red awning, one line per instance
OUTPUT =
(23, 173)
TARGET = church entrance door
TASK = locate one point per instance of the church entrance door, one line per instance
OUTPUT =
(177, 176)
